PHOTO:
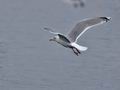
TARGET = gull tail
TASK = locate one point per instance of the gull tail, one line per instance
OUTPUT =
(79, 47)
(82, 48)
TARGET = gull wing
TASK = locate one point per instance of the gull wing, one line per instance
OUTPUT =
(50, 30)
(82, 26)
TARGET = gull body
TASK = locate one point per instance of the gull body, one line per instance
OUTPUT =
(62, 40)
(70, 40)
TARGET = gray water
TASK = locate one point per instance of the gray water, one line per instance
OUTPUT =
(28, 61)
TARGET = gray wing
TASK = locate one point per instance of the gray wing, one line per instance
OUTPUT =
(50, 30)
(82, 26)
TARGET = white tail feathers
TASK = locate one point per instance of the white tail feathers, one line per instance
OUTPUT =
(81, 48)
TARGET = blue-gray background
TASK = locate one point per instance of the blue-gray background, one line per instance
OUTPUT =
(28, 61)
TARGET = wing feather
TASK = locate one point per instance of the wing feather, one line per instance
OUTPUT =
(50, 30)
(84, 25)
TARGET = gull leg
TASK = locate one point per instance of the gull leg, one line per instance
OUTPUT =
(76, 51)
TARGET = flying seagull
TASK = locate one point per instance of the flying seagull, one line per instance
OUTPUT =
(75, 3)
(70, 40)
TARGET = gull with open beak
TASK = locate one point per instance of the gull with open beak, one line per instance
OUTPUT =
(70, 40)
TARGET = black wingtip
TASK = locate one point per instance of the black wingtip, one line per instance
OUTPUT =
(106, 18)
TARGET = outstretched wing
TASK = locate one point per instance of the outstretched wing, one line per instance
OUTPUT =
(82, 26)
(50, 30)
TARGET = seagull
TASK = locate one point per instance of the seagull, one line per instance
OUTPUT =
(70, 40)
(75, 3)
